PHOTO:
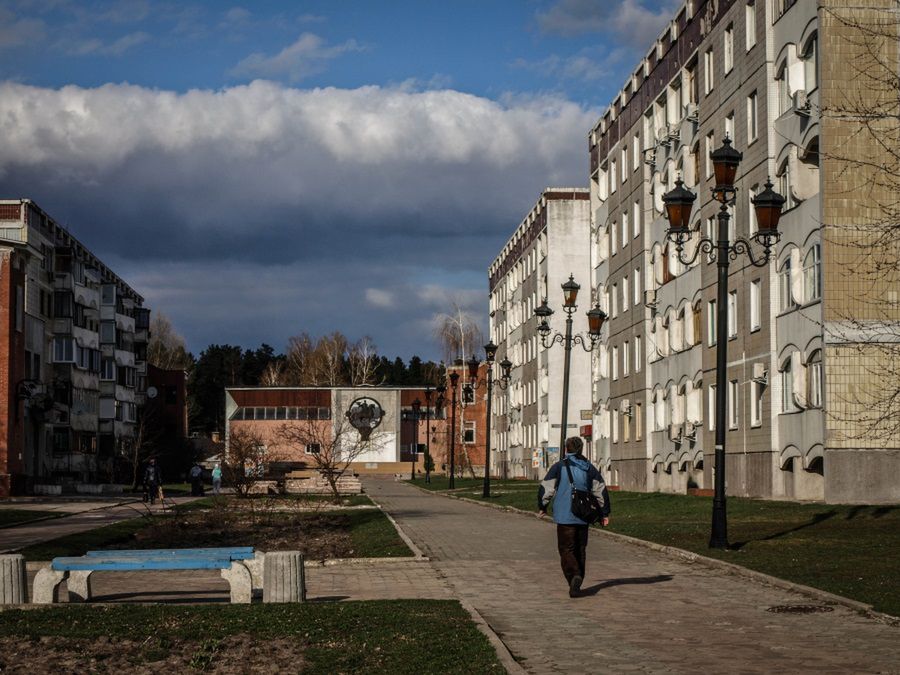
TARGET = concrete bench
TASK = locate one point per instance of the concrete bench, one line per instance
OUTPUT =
(242, 567)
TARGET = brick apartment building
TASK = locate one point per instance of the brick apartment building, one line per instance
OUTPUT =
(73, 339)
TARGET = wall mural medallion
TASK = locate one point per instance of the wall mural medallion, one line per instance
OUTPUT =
(365, 414)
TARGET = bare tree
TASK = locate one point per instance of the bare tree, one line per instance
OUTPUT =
(246, 459)
(860, 156)
(274, 375)
(299, 360)
(362, 359)
(166, 349)
(144, 444)
(329, 358)
(332, 446)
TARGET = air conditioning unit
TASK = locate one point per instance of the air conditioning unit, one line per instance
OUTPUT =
(650, 157)
(662, 136)
(801, 103)
(675, 432)
(650, 298)
(760, 374)
(692, 112)
(690, 432)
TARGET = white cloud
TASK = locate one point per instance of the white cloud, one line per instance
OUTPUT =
(307, 56)
(15, 31)
(632, 21)
(114, 48)
(379, 298)
(577, 67)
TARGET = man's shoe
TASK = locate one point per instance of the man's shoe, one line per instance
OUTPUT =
(575, 586)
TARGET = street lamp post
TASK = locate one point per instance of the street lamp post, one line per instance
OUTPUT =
(454, 378)
(429, 392)
(768, 205)
(490, 351)
(596, 317)
(416, 408)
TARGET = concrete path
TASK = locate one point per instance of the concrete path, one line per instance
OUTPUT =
(643, 611)
(85, 515)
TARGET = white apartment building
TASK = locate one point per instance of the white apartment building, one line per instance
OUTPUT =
(548, 246)
(750, 70)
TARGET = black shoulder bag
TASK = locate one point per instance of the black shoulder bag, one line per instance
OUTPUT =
(584, 504)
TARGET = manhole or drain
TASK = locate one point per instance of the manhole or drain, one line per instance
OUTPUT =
(800, 609)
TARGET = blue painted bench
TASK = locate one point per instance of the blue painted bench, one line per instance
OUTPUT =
(241, 566)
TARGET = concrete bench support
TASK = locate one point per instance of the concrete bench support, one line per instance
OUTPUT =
(241, 582)
(46, 586)
(13, 580)
(79, 585)
(255, 565)
(284, 578)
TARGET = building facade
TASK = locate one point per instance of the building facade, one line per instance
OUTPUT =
(267, 412)
(797, 362)
(73, 344)
(548, 246)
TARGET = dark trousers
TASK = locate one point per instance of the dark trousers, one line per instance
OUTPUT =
(571, 541)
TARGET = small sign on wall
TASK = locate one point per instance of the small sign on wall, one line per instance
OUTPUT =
(586, 414)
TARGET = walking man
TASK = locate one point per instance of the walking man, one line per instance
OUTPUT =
(572, 532)
(152, 480)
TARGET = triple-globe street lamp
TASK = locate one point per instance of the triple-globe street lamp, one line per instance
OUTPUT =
(768, 205)
(490, 352)
(454, 380)
(416, 408)
(596, 317)
(438, 404)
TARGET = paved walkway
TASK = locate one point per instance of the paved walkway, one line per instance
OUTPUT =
(85, 515)
(643, 612)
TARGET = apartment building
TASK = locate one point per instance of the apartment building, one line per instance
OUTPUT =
(752, 71)
(548, 246)
(73, 343)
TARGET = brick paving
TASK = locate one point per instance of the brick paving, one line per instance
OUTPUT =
(643, 611)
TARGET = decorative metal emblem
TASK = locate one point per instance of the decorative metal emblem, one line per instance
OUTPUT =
(365, 414)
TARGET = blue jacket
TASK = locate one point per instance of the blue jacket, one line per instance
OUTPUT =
(556, 487)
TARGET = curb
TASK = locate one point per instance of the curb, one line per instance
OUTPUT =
(417, 552)
(732, 568)
(507, 660)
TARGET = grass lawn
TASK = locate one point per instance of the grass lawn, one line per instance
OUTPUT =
(390, 636)
(210, 522)
(9, 517)
(848, 550)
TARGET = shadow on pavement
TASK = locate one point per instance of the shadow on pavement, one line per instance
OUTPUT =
(167, 597)
(815, 520)
(596, 588)
(328, 598)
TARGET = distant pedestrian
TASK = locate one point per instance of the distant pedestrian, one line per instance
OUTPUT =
(152, 480)
(196, 474)
(217, 479)
(571, 531)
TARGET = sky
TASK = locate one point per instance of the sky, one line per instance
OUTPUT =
(263, 169)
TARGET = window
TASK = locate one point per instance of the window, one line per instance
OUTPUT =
(626, 427)
(638, 354)
(729, 125)
(752, 130)
(636, 153)
(750, 25)
(812, 275)
(729, 48)
(615, 426)
(698, 335)
(108, 370)
(107, 294)
(784, 184)
(614, 299)
(733, 404)
(637, 286)
(624, 230)
(613, 238)
(787, 387)
(625, 303)
(638, 421)
(711, 403)
(626, 362)
(708, 66)
(615, 363)
(469, 433)
(810, 58)
(63, 350)
(711, 322)
(107, 332)
(732, 314)
(624, 163)
(636, 218)
(612, 176)
(785, 297)
(710, 146)
(755, 290)
(751, 195)
(756, 391)
(814, 379)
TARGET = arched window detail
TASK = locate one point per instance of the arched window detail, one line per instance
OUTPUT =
(810, 58)
(812, 274)
(787, 386)
(815, 394)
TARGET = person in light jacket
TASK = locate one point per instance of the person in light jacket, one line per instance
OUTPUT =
(217, 479)
(572, 532)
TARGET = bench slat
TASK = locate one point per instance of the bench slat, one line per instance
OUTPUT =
(96, 563)
(233, 552)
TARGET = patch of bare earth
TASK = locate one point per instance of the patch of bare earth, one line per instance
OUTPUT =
(239, 653)
(317, 536)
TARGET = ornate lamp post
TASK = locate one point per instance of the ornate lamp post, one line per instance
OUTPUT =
(416, 408)
(768, 205)
(490, 351)
(454, 378)
(596, 317)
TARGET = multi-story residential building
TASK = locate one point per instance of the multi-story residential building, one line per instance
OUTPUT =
(548, 246)
(751, 71)
(73, 339)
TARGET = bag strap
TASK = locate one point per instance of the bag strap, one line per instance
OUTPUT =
(569, 471)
